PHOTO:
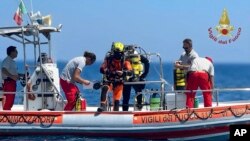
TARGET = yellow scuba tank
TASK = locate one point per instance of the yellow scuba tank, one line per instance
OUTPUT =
(179, 79)
(136, 66)
(80, 103)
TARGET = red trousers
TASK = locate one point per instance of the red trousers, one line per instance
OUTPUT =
(201, 80)
(9, 86)
(71, 91)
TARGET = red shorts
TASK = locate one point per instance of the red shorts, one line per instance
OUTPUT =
(9, 86)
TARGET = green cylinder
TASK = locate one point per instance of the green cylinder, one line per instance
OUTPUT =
(155, 102)
(196, 103)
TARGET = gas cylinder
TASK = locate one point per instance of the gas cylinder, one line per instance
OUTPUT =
(196, 103)
(155, 101)
(179, 79)
(80, 104)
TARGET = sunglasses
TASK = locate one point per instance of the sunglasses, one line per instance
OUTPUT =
(185, 48)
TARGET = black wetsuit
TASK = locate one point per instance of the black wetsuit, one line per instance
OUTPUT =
(137, 87)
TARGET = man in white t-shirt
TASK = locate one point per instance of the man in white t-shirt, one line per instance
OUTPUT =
(71, 75)
(182, 65)
(200, 75)
(10, 76)
(187, 56)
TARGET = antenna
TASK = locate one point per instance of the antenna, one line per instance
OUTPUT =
(31, 12)
(31, 6)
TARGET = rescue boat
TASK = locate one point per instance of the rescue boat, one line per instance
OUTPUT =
(167, 119)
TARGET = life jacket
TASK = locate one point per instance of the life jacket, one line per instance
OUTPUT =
(113, 65)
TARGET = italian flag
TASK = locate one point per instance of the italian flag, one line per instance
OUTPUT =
(19, 12)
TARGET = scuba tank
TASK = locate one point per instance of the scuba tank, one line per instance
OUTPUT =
(80, 103)
(136, 66)
(155, 101)
(179, 79)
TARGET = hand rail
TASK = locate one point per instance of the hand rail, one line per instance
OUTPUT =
(142, 82)
(211, 90)
(176, 92)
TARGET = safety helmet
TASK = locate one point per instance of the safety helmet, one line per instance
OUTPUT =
(118, 47)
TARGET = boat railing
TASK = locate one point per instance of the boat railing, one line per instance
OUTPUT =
(22, 94)
(37, 36)
(215, 92)
(143, 82)
(161, 81)
(25, 93)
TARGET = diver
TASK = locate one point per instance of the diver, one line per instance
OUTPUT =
(114, 69)
(140, 66)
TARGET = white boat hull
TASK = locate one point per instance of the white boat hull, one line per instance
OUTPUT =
(183, 124)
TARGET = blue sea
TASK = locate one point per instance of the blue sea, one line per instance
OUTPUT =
(226, 76)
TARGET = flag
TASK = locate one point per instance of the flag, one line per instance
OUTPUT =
(19, 12)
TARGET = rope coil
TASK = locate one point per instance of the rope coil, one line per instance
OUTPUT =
(211, 113)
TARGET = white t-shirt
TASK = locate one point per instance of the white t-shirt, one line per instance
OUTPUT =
(186, 59)
(68, 71)
(202, 64)
(10, 65)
